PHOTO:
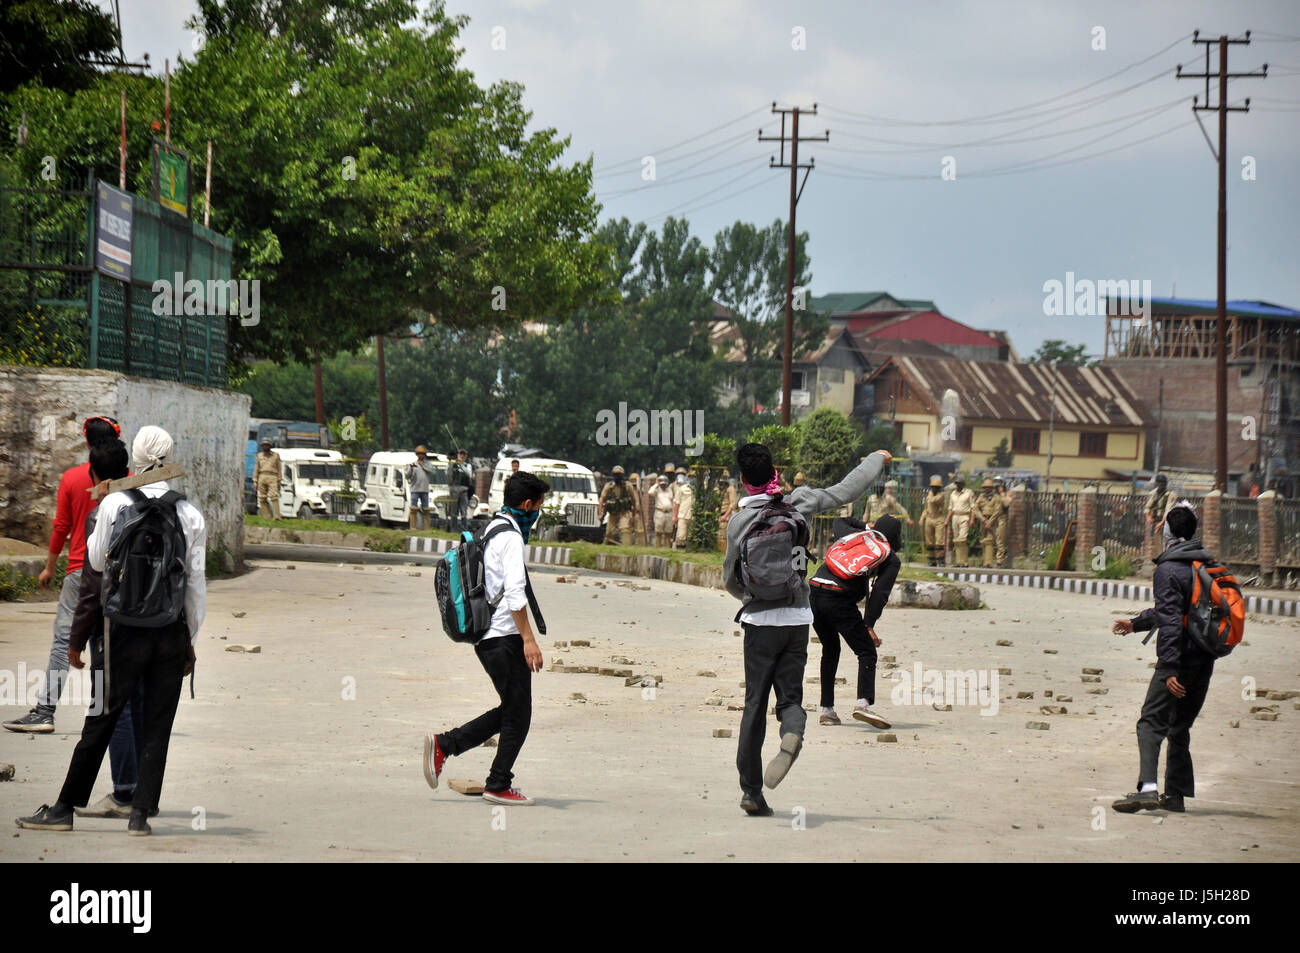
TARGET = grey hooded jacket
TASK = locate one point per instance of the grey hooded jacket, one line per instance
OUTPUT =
(807, 500)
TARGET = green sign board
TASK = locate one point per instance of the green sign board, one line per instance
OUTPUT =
(171, 178)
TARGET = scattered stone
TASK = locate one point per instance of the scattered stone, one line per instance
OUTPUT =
(1090, 678)
(1024, 694)
(560, 645)
(593, 595)
(291, 566)
(6, 772)
(1004, 642)
(237, 647)
(815, 638)
(1049, 651)
(889, 658)
(1004, 671)
(1234, 723)
(1258, 708)
(239, 615)
(1064, 698)
(713, 701)
(621, 660)
(722, 732)
(1047, 694)
(1098, 691)
(1151, 664)
(580, 643)
(1015, 620)
(1037, 725)
(1266, 716)
(632, 680)
(1093, 671)
(887, 737)
(736, 632)
(559, 579)
(735, 706)
(578, 697)
(359, 568)
(705, 673)
(1282, 696)
(937, 707)
(462, 786)
(1052, 709)
(1015, 827)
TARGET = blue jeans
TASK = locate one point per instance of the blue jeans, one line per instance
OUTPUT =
(419, 500)
(127, 740)
(56, 671)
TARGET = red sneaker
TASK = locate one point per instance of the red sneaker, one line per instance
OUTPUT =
(509, 796)
(434, 758)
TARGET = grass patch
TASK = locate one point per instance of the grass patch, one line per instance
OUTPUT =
(584, 554)
(14, 585)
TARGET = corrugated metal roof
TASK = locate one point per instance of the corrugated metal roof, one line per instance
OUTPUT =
(996, 390)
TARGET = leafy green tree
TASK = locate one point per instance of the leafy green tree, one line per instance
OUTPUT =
(51, 43)
(747, 266)
(1002, 455)
(881, 435)
(364, 175)
(783, 442)
(829, 443)
(446, 380)
(1067, 355)
(286, 391)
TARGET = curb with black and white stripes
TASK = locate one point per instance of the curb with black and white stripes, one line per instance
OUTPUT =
(1105, 587)
(543, 555)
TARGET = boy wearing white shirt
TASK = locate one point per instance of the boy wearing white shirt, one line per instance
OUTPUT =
(508, 651)
(157, 657)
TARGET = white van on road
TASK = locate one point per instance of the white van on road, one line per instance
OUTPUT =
(386, 486)
(573, 490)
(312, 485)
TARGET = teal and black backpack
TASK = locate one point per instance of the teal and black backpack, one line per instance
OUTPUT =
(459, 583)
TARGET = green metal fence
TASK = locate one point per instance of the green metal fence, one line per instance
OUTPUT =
(48, 286)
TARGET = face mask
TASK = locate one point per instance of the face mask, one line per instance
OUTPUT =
(525, 518)
(681, 480)
(618, 478)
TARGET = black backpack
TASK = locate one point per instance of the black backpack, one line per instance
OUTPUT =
(460, 586)
(145, 572)
(769, 565)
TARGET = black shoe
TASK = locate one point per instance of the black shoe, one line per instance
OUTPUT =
(153, 812)
(1138, 801)
(1172, 802)
(755, 806)
(56, 818)
(137, 826)
(33, 722)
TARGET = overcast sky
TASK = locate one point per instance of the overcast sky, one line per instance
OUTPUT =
(625, 79)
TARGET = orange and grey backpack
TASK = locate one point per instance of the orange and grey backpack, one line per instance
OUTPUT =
(1216, 615)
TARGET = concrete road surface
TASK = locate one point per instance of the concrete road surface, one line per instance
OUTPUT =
(310, 749)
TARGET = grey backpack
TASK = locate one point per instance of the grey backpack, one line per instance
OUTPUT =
(768, 565)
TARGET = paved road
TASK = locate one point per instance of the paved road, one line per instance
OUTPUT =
(310, 750)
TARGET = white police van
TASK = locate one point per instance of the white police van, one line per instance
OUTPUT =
(319, 484)
(573, 490)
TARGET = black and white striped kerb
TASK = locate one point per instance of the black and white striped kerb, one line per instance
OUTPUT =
(1138, 592)
(544, 555)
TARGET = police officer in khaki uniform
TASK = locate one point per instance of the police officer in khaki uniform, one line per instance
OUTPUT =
(266, 477)
(1004, 524)
(989, 515)
(890, 506)
(961, 506)
(933, 511)
(683, 509)
(616, 500)
(661, 497)
(638, 509)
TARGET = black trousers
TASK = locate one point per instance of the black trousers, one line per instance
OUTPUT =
(155, 660)
(775, 658)
(1166, 717)
(503, 660)
(833, 616)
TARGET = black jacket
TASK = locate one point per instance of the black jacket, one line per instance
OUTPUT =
(881, 579)
(1172, 586)
(88, 619)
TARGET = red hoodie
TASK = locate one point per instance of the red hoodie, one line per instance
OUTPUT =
(70, 515)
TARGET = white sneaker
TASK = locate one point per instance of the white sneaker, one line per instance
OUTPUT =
(863, 713)
(828, 717)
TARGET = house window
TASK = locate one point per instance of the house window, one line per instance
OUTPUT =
(796, 380)
(1025, 441)
(964, 434)
(1092, 444)
(900, 390)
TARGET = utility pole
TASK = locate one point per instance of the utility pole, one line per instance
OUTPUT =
(1221, 320)
(1051, 431)
(796, 190)
(383, 392)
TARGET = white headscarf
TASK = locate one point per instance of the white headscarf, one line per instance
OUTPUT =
(151, 448)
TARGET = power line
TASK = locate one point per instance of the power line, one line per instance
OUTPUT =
(708, 132)
(988, 117)
(721, 146)
(677, 179)
(682, 205)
